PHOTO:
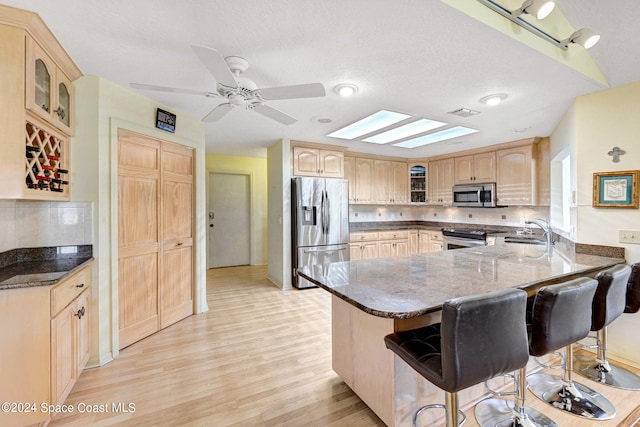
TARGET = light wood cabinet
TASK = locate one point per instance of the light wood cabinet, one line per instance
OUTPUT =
(390, 181)
(36, 100)
(418, 182)
(363, 245)
(46, 344)
(350, 175)
(393, 243)
(414, 242)
(477, 168)
(48, 91)
(440, 182)
(516, 176)
(364, 181)
(435, 241)
(316, 162)
(155, 235)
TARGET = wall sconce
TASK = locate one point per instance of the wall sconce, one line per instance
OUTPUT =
(541, 9)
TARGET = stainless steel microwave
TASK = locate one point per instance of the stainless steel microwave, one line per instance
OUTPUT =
(475, 195)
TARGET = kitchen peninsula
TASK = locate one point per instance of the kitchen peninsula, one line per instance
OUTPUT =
(372, 298)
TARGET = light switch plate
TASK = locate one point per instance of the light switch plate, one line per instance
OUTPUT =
(629, 236)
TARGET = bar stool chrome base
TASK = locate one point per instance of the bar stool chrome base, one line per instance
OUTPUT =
(571, 397)
(501, 413)
(606, 373)
(463, 417)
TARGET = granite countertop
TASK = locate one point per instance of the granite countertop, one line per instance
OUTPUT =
(414, 285)
(22, 268)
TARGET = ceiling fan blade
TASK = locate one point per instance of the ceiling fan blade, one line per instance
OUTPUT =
(172, 90)
(218, 112)
(273, 114)
(216, 64)
(309, 90)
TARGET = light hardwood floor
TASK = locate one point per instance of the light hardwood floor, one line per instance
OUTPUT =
(259, 357)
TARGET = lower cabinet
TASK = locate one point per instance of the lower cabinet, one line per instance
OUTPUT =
(43, 368)
(393, 243)
(374, 244)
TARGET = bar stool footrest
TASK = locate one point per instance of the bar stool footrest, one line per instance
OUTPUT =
(463, 417)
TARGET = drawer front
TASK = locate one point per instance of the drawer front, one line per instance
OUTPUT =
(363, 236)
(66, 291)
(435, 235)
(393, 235)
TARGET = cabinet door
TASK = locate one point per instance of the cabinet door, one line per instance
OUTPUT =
(515, 176)
(306, 161)
(382, 179)
(400, 177)
(386, 248)
(82, 333)
(484, 167)
(63, 353)
(401, 247)
(370, 250)
(446, 183)
(414, 242)
(364, 180)
(463, 170)
(331, 164)
(40, 81)
(424, 242)
(64, 106)
(350, 175)
(355, 252)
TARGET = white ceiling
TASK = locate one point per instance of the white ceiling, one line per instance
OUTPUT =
(421, 57)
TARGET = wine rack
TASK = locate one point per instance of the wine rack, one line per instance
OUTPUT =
(45, 161)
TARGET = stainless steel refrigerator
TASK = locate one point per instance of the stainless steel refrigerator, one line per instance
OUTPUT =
(320, 223)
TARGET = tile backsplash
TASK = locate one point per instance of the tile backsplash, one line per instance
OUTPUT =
(29, 224)
(509, 216)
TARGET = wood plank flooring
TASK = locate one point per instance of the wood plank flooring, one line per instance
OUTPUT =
(259, 357)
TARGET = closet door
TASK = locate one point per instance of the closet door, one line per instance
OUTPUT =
(138, 232)
(176, 262)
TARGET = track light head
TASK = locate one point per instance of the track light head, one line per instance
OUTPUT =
(584, 37)
(538, 8)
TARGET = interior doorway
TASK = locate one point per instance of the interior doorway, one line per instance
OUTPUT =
(229, 219)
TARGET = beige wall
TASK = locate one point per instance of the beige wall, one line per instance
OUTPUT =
(591, 127)
(101, 108)
(257, 169)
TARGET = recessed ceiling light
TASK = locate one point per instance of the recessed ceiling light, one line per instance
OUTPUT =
(410, 129)
(494, 99)
(320, 119)
(453, 132)
(372, 123)
(345, 89)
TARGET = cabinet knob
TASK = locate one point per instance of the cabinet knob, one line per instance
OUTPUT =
(81, 285)
(80, 313)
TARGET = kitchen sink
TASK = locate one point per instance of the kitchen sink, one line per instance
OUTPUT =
(525, 239)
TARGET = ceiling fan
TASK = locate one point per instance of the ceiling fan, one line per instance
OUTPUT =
(239, 91)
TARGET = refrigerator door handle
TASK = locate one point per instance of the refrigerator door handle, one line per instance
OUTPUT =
(322, 213)
(327, 212)
(311, 251)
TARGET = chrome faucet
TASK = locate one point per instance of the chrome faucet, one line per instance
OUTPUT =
(544, 225)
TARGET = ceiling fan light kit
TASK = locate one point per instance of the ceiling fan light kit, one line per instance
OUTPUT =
(541, 10)
(239, 91)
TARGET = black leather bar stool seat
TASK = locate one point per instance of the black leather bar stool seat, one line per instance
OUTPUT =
(618, 292)
(479, 337)
(561, 316)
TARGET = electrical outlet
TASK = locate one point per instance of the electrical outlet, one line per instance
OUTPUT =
(629, 236)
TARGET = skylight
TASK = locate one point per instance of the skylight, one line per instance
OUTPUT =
(372, 123)
(453, 132)
(410, 129)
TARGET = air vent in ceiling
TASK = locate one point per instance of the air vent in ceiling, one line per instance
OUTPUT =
(464, 112)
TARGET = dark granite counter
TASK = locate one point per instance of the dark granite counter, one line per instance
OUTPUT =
(415, 285)
(20, 268)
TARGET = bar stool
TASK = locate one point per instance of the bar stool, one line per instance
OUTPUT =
(479, 337)
(616, 286)
(560, 316)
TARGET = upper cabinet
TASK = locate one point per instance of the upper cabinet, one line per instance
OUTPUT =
(37, 104)
(523, 174)
(477, 168)
(391, 181)
(418, 182)
(316, 162)
(441, 182)
(48, 91)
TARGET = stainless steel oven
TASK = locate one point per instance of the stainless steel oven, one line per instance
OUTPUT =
(462, 238)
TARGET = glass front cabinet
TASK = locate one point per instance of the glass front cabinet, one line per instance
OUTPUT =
(49, 92)
(418, 182)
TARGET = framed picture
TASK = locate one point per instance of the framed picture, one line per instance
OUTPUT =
(615, 189)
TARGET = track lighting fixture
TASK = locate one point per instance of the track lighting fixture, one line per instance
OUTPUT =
(538, 8)
(541, 9)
